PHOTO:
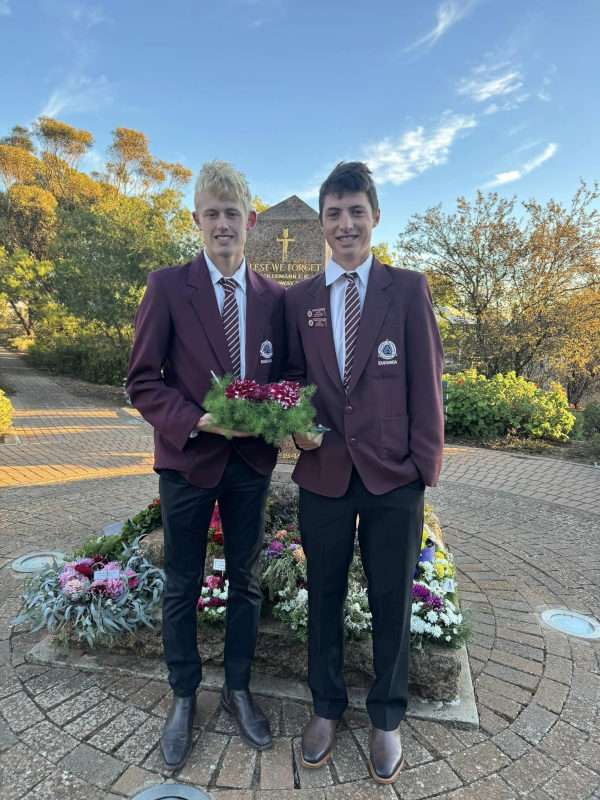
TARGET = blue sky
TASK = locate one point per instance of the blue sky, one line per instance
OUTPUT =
(441, 97)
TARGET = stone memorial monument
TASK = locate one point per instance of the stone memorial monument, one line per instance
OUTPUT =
(287, 243)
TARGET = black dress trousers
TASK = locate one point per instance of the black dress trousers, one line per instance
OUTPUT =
(186, 513)
(389, 530)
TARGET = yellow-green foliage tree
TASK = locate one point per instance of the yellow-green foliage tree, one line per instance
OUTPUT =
(576, 358)
(512, 272)
(76, 248)
(382, 252)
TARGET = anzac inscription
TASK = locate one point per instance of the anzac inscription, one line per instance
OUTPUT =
(286, 272)
(287, 243)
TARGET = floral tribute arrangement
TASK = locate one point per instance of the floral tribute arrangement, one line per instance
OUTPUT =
(435, 616)
(212, 602)
(435, 611)
(96, 596)
(95, 599)
(215, 587)
(273, 410)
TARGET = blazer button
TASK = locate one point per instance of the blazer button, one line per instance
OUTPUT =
(348, 409)
(353, 440)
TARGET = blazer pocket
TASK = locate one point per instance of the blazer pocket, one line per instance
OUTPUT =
(394, 437)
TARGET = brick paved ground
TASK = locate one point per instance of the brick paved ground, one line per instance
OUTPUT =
(525, 531)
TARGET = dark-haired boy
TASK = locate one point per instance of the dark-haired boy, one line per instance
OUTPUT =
(366, 335)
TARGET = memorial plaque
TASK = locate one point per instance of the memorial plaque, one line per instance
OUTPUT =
(287, 243)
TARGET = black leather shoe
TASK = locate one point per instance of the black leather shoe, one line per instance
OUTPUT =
(254, 726)
(176, 738)
(385, 755)
(318, 739)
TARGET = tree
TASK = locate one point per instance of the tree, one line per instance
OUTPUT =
(19, 137)
(382, 252)
(576, 359)
(17, 165)
(63, 141)
(26, 284)
(27, 219)
(104, 252)
(511, 277)
(75, 250)
(259, 205)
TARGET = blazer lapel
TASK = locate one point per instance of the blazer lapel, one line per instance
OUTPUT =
(323, 334)
(204, 302)
(256, 317)
(376, 305)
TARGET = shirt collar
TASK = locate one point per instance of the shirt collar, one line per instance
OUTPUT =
(333, 271)
(215, 274)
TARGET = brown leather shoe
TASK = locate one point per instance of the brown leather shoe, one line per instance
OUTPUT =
(385, 755)
(318, 738)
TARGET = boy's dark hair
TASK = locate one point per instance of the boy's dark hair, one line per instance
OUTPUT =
(349, 176)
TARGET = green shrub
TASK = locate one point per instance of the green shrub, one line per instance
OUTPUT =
(6, 410)
(481, 408)
(594, 446)
(90, 357)
(591, 419)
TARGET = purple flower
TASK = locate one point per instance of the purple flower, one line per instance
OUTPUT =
(275, 548)
(423, 595)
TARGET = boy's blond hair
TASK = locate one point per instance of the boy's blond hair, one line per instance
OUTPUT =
(225, 182)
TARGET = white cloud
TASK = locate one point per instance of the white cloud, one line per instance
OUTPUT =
(548, 152)
(491, 81)
(78, 94)
(516, 174)
(5, 8)
(506, 177)
(399, 160)
(448, 13)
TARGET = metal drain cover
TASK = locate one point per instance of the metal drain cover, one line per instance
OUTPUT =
(36, 562)
(172, 791)
(572, 623)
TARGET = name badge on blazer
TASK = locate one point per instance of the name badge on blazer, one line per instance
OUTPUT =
(266, 352)
(386, 353)
(316, 318)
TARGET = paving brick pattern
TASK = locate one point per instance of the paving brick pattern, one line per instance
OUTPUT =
(525, 532)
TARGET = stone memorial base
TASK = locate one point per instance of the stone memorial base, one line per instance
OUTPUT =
(461, 712)
(434, 672)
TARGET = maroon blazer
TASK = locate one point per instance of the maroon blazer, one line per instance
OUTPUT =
(390, 426)
(179, 339)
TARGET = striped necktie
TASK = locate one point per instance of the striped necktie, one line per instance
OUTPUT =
(351, 323)
(231, 323)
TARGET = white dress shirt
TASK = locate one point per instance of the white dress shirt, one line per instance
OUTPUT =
(335, 280)
(240, 296)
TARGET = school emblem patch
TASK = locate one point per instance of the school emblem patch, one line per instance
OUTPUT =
(387, 350)
(266, 349)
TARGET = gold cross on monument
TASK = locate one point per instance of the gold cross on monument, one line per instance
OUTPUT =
(285, 242)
